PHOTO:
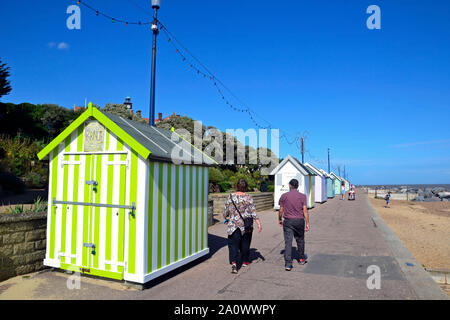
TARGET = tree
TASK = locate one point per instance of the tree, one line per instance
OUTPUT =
(5, 87)
(122, 111)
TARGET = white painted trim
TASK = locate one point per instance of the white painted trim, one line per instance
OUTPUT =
(174, 265)
(69, 162)
(95, 152)
(55, 263)
(115, 263)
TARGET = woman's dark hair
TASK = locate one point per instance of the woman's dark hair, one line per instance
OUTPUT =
(343, 183)
(241, 185)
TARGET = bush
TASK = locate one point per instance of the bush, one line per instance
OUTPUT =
(271, 188)
(224, 186)
(18, 156)
(215, 175)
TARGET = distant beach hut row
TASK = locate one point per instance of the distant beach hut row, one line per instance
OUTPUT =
(316, 184)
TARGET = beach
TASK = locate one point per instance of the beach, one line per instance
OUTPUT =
(423, 227)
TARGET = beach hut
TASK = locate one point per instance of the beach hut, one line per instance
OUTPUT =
(347, 184)
(337, 183)
(292, 168)
(320, 182)
(330, 184)
(127, 201)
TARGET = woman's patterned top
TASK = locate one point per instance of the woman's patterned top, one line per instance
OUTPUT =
(244, 203)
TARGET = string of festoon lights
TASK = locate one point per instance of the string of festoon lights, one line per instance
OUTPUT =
(199, 68)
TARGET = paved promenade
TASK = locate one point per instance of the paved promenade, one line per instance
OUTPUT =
(346, 237)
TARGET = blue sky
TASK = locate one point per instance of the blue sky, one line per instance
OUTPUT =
(380, 99)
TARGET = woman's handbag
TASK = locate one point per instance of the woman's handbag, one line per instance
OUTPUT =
(248, 222)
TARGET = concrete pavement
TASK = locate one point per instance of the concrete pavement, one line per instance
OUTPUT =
(346, 237)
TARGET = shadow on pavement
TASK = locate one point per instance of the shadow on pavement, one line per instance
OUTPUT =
(215, 244)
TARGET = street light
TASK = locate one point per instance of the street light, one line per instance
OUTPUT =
(155, 6)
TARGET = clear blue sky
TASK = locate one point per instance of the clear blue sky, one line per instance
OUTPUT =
(380, 99)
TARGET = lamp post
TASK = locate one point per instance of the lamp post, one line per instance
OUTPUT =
(155, 6)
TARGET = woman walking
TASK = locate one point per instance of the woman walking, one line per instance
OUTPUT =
(342, 190)
(238, 207)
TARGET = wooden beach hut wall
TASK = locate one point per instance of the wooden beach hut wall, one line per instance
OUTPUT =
(337, 183)
(347, 184)
(126, 200)
(290, 168)
(330, 184)
(320, 182)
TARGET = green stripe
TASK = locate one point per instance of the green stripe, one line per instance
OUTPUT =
(53, 211)
(98, 178)
(109, 213)
(197, 204)
(86, 215)
(94, 272)
(151, 181)
(121, 222)
(202, 195)
(184, 212)
(191, 208)
(177, 194)
(64, 206)
(169, 207)
(160, 195)
(132, 218)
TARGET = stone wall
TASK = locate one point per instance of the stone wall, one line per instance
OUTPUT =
(22, 243)
(381, 193)
(262, 200)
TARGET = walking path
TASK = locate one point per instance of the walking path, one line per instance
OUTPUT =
(346, 237)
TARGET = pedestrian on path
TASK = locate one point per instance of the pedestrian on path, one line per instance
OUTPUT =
(296, 221)
(342, 190)
(239, 206)
(387, 198)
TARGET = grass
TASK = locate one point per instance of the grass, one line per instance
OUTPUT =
(37, 206)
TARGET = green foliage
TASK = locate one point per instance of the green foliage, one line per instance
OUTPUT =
(40, 122)
(271, 188)
(37, 206)
(18, 157)
(224, 186)
(122, 111)
(5, 87)
(215, 175)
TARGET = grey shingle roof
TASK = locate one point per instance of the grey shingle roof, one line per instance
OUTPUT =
(163, 144)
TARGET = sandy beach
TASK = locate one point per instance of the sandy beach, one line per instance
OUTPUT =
(424, 228)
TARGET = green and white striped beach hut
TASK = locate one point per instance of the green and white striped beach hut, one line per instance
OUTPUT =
(126, 200)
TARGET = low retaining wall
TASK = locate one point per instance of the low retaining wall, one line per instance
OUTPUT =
(394, 196)
(262, 200)
(22, 243)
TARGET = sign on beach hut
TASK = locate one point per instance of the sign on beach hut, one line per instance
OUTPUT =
(330, 184)
(292, 168)
(320, 181)
(126, 200)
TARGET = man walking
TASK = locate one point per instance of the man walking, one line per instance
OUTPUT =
(296, 222)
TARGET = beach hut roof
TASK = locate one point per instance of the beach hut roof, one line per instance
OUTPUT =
(326, 174)
(335, 176)
(300, 167)
(313, 168)
(148, 141)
